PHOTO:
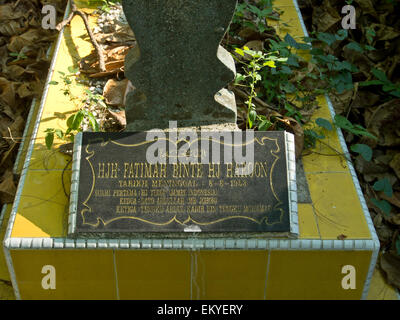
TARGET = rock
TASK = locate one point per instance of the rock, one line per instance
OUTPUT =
(178, 66)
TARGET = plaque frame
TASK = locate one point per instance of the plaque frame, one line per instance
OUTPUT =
(292, 204)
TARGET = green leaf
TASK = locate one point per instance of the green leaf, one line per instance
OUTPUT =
(252, 117)
(293, 61)
(49, 139)
(239, 51)
(59, 133)
(53, 83)
(265, 125)
(290, 41)
(73, 70)
(370, 83)
(341, 34)
(363, 149)
(342, 122)
(93, 122)
(360, 131)
(75, 120)
(354, 46)
(328, 38)
(324, 124)
(303, 46)
(379, 74)
(383, 205)
(239, 78)
(270, 64)
(314, 134)
(384, 185)
(395, 93)
(369, 48)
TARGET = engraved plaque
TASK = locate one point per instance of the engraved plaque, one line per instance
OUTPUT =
(149, 183)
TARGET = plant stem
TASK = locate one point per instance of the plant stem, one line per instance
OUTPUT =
(75, 11)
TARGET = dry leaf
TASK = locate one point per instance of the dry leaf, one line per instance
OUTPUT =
(115, 92)
(7, 188)
(294, 127)
(395, 164)
(119, 116)
(390, 264)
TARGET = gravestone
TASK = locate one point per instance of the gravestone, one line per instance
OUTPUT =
(200, 175)
(178, 67)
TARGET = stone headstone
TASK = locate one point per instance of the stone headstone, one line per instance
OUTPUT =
(178, 68)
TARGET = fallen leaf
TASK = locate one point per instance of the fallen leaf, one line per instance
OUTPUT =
(294, 127)
(390, 264)
(119, 116)
(115, 91)
(395, 164)
(7, 188)
(7, 92)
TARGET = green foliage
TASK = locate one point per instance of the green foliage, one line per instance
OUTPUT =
(18, 55)
(356, 129)
(382, 205)
(253, 67)
(324, 124)
(311, 136)
(302, 80)
(387, 85)
(385, 186)
(102, 4)
(364, 150)
(74, 122)
(260, 12)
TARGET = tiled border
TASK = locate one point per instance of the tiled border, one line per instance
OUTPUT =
(73, 204)
(2, 213)
(24, 136)
(191, 244)
(292, 184)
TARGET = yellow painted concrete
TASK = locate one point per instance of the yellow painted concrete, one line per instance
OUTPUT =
(43, 208)
(156, 275)
(316, 274)
(337, 206)
(79, 274)
(229, 275)
(6, 290)
(4, 274)
(308, 226)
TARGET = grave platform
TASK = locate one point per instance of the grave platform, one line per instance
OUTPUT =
(35, 227)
